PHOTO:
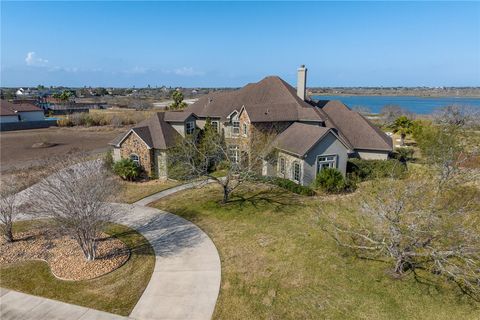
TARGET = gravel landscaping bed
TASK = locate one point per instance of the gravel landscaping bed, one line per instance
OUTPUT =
(63, 254)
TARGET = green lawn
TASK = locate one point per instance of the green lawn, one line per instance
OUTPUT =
(134, 191)
(277, 263)
(116, 292)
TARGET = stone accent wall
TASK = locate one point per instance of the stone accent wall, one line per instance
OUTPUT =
(160, 157)
(133, 144)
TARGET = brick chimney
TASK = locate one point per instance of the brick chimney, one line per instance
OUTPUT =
(302, 82)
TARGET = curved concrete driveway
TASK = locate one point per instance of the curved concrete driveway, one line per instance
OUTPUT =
(186, 278)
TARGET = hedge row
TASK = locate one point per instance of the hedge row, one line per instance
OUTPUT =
(359, 169)
(287, 185)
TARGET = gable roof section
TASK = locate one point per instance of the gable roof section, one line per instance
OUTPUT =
(270, 99)
(154, 131)
(300, 138)
(360, 133)
(178, 116)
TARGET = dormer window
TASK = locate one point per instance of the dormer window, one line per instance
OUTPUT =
(189, 127)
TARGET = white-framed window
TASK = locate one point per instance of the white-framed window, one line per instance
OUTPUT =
(234, 153)
(245, 129)
(296, 174)
(135, 158)
(282, 165)
(189, 127)
(236, 127)
(215, 125)
(323, 162)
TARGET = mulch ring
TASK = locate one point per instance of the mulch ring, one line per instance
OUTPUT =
(63, 254)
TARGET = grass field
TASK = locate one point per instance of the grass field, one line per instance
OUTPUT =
(277, 263)
(134, 191)
(116, 292)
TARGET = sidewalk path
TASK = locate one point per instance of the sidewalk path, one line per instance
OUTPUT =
(185, 281)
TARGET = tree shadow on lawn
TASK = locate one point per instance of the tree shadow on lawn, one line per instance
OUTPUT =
(272, 196)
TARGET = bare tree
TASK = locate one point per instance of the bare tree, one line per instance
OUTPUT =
(458, 116)
(415, 225)
(10, 207)
(76, 198)
(201, 153)
(391, 112)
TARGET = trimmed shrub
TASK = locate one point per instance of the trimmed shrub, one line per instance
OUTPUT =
(287, 185)
(330, 180)
(127, 169)
(362, 170)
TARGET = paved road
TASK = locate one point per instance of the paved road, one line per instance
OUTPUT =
(184, 284)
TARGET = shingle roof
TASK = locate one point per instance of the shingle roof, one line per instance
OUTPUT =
(354, 128)
(299, 138)
(5, 109)
(270, 99)
(177, 116)
(154, 131)
(17, 107)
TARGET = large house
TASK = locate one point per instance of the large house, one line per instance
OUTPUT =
(308, 135)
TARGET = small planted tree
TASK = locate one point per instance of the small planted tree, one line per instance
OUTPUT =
(199, 154)
(402, 126)
(10, 208)
(76, 198)
(178, 102)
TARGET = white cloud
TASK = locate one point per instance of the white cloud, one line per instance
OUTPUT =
(187, 71)
(33, 60)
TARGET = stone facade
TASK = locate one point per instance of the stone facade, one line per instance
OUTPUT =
(134, 145)
(160, 162)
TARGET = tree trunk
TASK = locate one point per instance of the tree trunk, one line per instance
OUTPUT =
(226, 194)
(8, 234)
(402, 139)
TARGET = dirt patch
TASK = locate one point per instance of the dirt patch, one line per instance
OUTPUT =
(24, 148)
(63, 254)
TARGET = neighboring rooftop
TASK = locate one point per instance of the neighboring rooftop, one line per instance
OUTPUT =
(8, 108)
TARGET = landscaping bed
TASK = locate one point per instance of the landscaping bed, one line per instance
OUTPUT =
(62, 253)
(117, 291)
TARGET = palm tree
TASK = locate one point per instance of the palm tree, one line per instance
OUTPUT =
(403, 126)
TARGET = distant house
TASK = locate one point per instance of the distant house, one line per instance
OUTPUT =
(309, 135)
(18, 112)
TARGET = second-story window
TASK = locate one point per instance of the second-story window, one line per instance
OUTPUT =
(215, 125)
(245, 129)
(190, 127)
(236, 127)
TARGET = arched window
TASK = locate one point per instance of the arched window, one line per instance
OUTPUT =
(282, 165)
(135, 158)
(296, 172)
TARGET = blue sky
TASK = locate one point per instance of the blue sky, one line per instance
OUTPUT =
(200, 44)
